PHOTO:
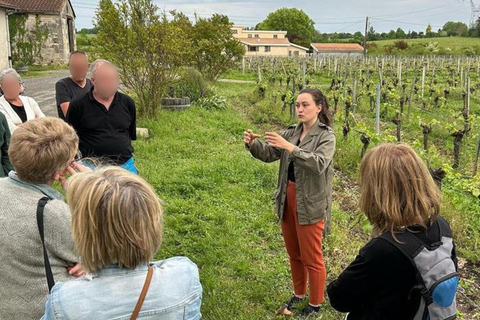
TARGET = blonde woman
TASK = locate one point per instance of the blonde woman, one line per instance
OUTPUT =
(16, 108)
(117, 229)
(402, 202)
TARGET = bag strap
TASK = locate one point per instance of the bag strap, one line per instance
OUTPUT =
(143, 294)
(411, 246)
(48, 269)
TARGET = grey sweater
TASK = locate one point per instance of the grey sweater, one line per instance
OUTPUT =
(23, 285)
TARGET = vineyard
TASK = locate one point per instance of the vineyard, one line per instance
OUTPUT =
(431, 103)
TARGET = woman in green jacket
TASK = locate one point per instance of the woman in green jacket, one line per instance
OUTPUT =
(303, 196)
(5, 164)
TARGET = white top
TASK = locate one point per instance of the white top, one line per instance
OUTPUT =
(31, 109)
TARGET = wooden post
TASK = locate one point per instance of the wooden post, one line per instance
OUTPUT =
(399, 73)
(410, 100)
(423, 81)
(304, 71)
(354, 94)
(477, 154)
(377, 112)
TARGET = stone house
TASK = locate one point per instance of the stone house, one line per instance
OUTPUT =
(56, 18)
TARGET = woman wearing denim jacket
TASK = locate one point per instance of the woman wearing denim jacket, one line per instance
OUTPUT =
(303, 195)
(117, 229)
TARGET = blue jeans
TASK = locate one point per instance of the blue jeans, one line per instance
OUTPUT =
(129, 165)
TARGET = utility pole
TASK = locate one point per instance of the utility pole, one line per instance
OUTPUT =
(365, 39)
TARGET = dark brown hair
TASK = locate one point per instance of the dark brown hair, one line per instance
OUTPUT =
(321, 100)
(78, 52)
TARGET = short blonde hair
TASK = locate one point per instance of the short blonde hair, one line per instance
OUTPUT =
(397, 190)
(116, 218)
(41, 147)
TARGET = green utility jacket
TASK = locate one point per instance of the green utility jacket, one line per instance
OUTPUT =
(5, 164)
(313, 163)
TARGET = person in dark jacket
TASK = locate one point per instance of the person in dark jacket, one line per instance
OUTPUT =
(5, 164)
(398, 195)
(303, 196)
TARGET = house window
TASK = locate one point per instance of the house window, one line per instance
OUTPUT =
(275, 36)
(249, 35)
(234, 31)
(257, 36)
(289, 53)
(252, 49)
(296, 53)
(268, 48)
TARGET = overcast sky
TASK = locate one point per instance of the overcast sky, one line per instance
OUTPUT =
(329, 16)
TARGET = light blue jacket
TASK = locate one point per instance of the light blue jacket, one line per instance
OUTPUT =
(175, 293)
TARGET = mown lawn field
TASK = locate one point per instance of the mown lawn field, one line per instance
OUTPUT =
(219, 208)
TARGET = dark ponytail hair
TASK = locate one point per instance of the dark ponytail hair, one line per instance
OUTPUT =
(320, 100)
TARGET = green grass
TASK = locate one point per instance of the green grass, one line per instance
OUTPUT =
(42, 71)
(446, 46)
(461, 209)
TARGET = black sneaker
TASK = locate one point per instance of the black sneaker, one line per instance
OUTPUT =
(287, 308)
(309, 311)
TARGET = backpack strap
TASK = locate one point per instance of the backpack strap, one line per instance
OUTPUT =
(48, 270)
(411, 246)
(444, 228)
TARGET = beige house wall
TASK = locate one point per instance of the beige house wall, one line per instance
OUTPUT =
(321, 55)
(239, 32)
(4, 45)
(276, 51)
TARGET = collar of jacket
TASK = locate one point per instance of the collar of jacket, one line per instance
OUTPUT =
(43, 188)
(315, 130)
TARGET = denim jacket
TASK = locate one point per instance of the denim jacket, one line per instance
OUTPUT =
(175, 293)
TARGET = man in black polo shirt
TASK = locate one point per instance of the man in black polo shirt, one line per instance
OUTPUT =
(74, 86)
(105, 119)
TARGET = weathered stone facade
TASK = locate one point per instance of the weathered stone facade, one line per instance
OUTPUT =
(60, 40)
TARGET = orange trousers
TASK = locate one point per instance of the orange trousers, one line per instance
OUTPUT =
(304, 248)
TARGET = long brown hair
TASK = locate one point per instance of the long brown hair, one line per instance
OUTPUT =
(320, 100)
(397, 190)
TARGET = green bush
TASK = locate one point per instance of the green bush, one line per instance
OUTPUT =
(190, 84)
(469, 51)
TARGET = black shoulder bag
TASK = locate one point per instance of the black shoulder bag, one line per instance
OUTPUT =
(48, 270)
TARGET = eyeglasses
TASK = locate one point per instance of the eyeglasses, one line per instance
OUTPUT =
(77, 158)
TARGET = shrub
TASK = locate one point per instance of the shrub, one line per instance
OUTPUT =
(469, 51)
(401, 44)
(212, 102)
(190, 84)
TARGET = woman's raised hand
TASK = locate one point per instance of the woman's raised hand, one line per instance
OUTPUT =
(249, 137)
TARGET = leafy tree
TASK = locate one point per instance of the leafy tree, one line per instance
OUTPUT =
(300, 28)
(147, 48)
(215, 49)
(454, 28)
(400, 34)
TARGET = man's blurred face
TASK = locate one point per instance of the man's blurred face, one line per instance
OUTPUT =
(106, 80)
(78, 65)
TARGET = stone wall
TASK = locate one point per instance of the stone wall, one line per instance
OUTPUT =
(56, 48)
